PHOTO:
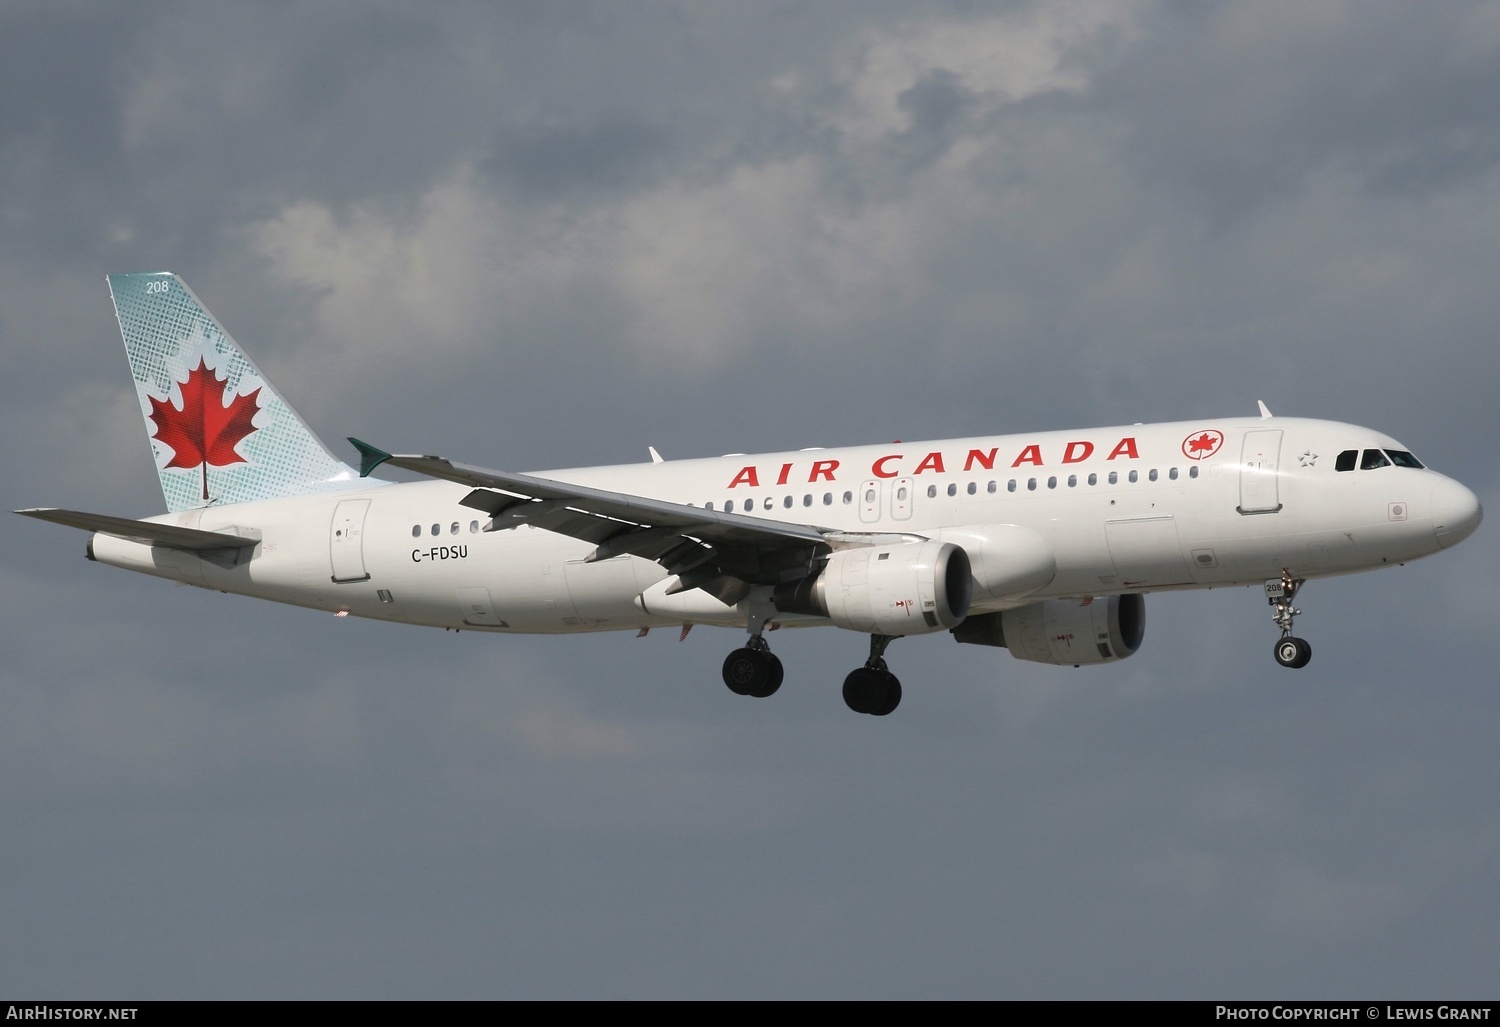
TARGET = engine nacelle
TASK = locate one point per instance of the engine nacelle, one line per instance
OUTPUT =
(902, 589)
(1068, 632)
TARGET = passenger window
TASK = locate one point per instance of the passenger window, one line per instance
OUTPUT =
(1093, 479)
(1030, 484)
(1373, 458)
(1072, 481)
(1151, 474)
(931, 491)
(787, 502)
(1172, 474)
(770, 502)
(437, 529)
(1134, 477)
(709, 505)
(953, 488)
(869, 495)
(973, 488)
(1345, 460)
(1052, 482)
(453, 528)
(473, 527)
(990, 488)
(1114, 477)
(848, 498)
(1193, 471)
(807, 499)
(1010, 486)
(416, 531)
(828, 499)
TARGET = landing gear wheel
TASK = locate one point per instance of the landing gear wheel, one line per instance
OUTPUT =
(1293, 652)
(774, 674)
(862, 689)
(872, 690)
(753, 672)
(742, 669)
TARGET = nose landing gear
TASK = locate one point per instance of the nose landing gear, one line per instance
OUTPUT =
(1290, 651)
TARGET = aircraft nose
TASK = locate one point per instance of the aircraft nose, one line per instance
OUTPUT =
(1455, 512)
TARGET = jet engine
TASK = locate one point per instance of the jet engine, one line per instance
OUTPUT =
(1066, 632)
(904, 589)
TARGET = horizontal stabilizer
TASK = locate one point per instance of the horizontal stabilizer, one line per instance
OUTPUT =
(145, 532)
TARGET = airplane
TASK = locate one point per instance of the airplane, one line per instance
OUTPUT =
(1042, 543)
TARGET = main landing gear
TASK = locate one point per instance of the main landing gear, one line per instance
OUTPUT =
(1290, 651)
(873, 689)
(754, 670)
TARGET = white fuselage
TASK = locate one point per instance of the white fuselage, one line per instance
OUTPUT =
(1093, 512)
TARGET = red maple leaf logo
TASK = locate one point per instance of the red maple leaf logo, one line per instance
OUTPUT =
(1196, 447)
(204, 431)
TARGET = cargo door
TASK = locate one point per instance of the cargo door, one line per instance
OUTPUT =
(478, 610)
(1146, 552)
(603, 592)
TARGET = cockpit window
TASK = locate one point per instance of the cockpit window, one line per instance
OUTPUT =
(1373, 458)
(1401, 458)
(1346, 460)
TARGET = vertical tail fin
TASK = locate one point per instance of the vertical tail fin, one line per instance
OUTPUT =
(220, 432)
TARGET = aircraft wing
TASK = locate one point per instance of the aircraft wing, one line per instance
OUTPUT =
(146, 532)
(697, 544)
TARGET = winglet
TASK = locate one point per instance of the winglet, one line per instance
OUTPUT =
(1265, 412)
(655, 456)
(369, 457)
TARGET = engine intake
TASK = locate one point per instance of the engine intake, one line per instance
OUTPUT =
(905, 589)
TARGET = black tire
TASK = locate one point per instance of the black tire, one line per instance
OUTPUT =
(892, 696)
(774, 674)
(864, 691)
(1305, 656)
(1293, 652)
(746, 671)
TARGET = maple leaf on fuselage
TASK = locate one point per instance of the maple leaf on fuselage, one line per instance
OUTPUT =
(1204, 443)
(204, 431)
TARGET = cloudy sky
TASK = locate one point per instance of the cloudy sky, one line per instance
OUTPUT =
(535, 235)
